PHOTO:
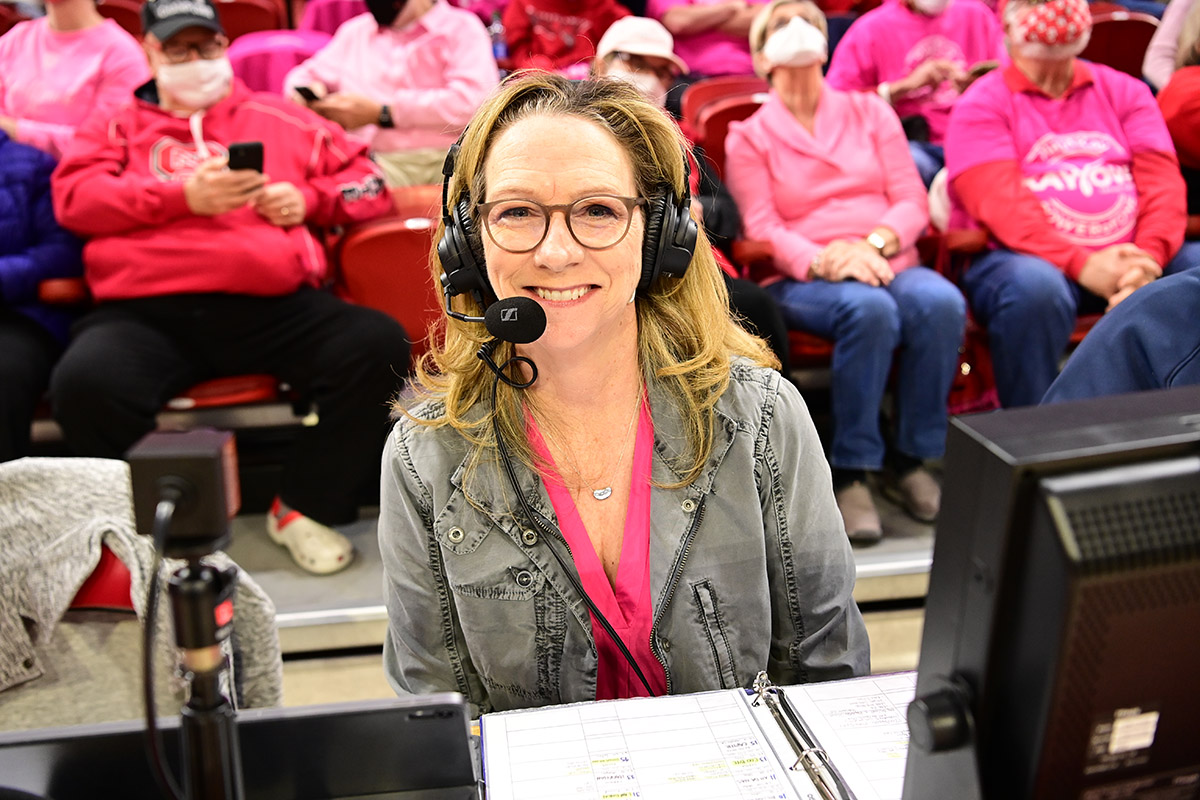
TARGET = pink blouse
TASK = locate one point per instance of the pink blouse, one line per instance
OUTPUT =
(626, 605)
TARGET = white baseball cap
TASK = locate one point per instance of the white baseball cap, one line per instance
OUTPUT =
(640, 36)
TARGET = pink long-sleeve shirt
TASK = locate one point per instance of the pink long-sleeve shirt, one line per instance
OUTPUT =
(434, 74)
(51, 81)
(800, 191)
(887, 43)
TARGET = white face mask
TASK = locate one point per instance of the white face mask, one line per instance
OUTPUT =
(930, 8)
(196, 84)
(646, 83)
(797, 44)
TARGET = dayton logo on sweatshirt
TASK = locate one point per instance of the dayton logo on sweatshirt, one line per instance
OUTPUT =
(173, 160)
(1084, 182)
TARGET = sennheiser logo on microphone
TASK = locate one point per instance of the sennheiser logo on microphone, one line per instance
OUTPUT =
(508, 315)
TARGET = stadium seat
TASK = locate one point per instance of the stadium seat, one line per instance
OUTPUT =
(423, 201)
(234, 401)
(126, 13)
(327, 15)
(713, 122)
(708, 90)
(239, 17)
(262, 59)
(9, 16)
(384, 264)
(1119, 40)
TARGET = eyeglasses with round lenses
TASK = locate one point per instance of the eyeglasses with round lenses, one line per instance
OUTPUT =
(178, 52)
(597, 223)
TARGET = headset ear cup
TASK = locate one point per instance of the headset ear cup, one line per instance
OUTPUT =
(650, 242)
(460, 253)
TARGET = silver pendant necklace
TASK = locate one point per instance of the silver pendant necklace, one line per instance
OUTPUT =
(605, 492)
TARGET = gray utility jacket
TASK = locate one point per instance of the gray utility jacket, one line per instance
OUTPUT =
(749, 566)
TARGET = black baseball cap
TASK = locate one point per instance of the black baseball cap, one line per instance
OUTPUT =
(165, 18)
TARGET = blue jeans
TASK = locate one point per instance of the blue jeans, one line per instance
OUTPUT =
(1149, 341)
(923, 315)
(1029, 308)
(929, 158)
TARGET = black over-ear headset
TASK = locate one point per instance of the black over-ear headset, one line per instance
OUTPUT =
(667, 244)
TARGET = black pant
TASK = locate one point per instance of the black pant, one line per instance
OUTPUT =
(27, 352)
(751, 302)
(129, 357)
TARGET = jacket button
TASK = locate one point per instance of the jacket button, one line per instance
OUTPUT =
(529, 537)
(27, 663)
(455, 535)
(524, 579)
(689, 505)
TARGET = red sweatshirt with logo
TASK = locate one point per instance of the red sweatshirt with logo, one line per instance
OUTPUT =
(120, 185)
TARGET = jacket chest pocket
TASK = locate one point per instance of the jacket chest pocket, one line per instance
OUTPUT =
(512, 620)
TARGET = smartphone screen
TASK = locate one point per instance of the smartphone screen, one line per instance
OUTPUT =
(307, 93)
(246, 155)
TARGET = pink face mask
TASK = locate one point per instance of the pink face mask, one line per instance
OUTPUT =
(1058, 28)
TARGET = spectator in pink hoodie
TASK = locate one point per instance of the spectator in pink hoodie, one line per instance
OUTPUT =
(58, 69)
(826, 178)
(919, 55)
(1070, 167)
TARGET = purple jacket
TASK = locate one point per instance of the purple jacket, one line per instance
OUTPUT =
(32, 245)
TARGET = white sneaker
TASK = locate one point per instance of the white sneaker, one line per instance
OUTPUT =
(315, 547)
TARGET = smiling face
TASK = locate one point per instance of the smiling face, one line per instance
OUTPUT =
(586, 293)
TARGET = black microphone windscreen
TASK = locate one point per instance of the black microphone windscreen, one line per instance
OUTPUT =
(515, 319)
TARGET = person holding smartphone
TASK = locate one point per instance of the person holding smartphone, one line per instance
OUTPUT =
(405, 77)
(200, 270)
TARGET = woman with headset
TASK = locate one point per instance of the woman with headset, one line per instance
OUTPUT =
(633, 502)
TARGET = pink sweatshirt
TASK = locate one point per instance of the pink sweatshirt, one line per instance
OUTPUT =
(889, 42)
(712, 52)
(51, 81)
(434, 74)
(1076, 156)
(801, 191)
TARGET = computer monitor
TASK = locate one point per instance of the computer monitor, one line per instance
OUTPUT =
(1061, 649)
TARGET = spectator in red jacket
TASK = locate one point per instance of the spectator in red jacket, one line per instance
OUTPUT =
(199, 271)
(1069, 166)
(1179, 102)
(557, 35)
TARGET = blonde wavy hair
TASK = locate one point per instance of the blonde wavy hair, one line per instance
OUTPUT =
(686, 334)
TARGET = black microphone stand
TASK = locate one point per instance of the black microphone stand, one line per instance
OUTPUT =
(202, 608)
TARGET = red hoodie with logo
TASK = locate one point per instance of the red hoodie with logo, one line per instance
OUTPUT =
(120, 185)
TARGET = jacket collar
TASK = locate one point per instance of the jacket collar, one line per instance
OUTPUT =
(1017, 82)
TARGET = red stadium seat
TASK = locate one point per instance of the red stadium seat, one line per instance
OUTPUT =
(1119, 40)
(239, 17)
(328, 15)
(225, 392)
(126, 13)
(9, 16)
(708, 90)
(714, 122)
(384, 264)
(424, 201)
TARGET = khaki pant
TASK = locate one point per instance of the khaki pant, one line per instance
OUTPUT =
(412, 167)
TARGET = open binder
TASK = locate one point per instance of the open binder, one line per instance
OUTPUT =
(840, 740)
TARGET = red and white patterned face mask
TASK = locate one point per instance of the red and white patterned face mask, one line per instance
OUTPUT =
(1054, 29)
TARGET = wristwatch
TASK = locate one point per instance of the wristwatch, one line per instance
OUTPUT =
(385, 117)
(876, 240)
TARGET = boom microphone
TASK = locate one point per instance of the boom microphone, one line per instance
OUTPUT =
(515, 319)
